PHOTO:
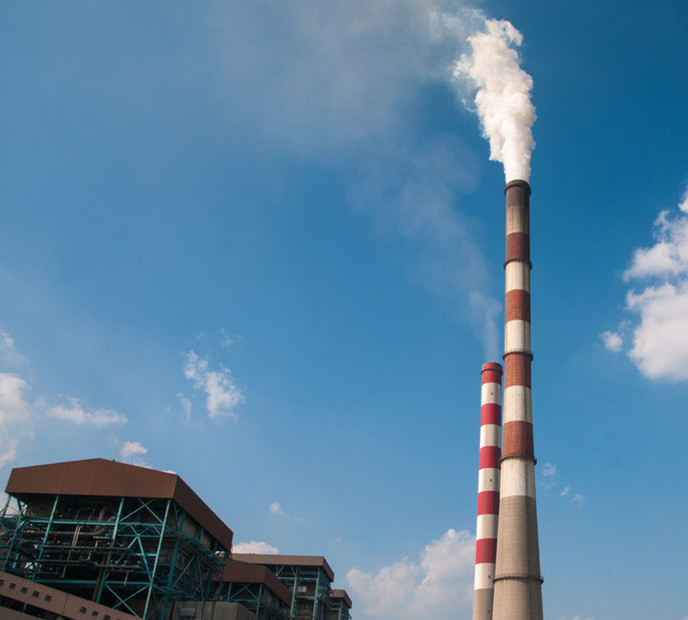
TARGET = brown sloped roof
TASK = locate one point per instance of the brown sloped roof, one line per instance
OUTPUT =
(101, 477)
(341, 594)
(269, 559)
(244, 572)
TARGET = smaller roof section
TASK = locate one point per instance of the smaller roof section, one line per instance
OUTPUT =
(269, 559)
(104, 478)
(342, 596)
(244, 572)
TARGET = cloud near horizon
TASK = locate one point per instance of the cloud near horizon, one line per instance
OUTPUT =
(434, 587)
(16, 416)
(254, 547)
(76, 414)
(659, 330)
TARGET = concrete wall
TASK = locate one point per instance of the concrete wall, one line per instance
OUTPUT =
(216, 610)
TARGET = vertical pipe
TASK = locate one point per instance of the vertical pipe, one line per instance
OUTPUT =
(518, 584)
(488, 490)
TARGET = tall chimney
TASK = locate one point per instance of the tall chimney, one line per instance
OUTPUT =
(488, 489)
(518, 584)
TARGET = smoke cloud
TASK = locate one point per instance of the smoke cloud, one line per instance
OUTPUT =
(502, 100)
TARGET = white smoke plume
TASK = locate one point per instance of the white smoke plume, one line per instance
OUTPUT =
(502, 99)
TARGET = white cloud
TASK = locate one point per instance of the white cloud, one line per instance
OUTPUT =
(276, 508)
(254, 547)
(131, 448)
(16, 416)
(433, 588)
(683, 205)
(660, 339)
(8, 351)
(76, 414)
(659, 330)
(612, 341)
(669, 256)
(222, 394)
(549, 470)
(565, 492)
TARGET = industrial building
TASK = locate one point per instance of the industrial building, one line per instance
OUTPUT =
(105, 540)
(309, 579)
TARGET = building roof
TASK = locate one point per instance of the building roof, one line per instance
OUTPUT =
(244, 572)
(342, 595)
(101, 477)
(269, 559)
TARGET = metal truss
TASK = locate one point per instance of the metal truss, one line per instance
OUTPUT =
(256, 598)
(310, 588)
(133, 554)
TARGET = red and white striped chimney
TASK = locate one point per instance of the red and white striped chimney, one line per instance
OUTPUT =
(488, 489)
(518, 584)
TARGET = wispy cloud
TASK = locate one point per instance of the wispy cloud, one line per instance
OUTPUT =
(8, 351)
(76, 414)
(433, 587)
(222, 393)
(228, 339)
(612, 341)
(16, 416)
(660, 305)
(276, 509)
(550, 483)
(349, 81)
(549, 470)
(186, 405)
(254, 547)
(412, 193)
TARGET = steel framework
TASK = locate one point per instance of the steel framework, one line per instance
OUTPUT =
(310, 588)
(257, 598)
(133, 554)
(338, 610)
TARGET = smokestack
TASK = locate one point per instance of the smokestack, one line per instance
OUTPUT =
(518, 584)
(488, 489)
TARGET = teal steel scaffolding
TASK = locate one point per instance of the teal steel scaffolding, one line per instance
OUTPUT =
(133, 554)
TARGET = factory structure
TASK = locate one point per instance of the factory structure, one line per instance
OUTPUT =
(508, 583)
(103, 540)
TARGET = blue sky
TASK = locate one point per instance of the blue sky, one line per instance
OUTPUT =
(260, 244)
